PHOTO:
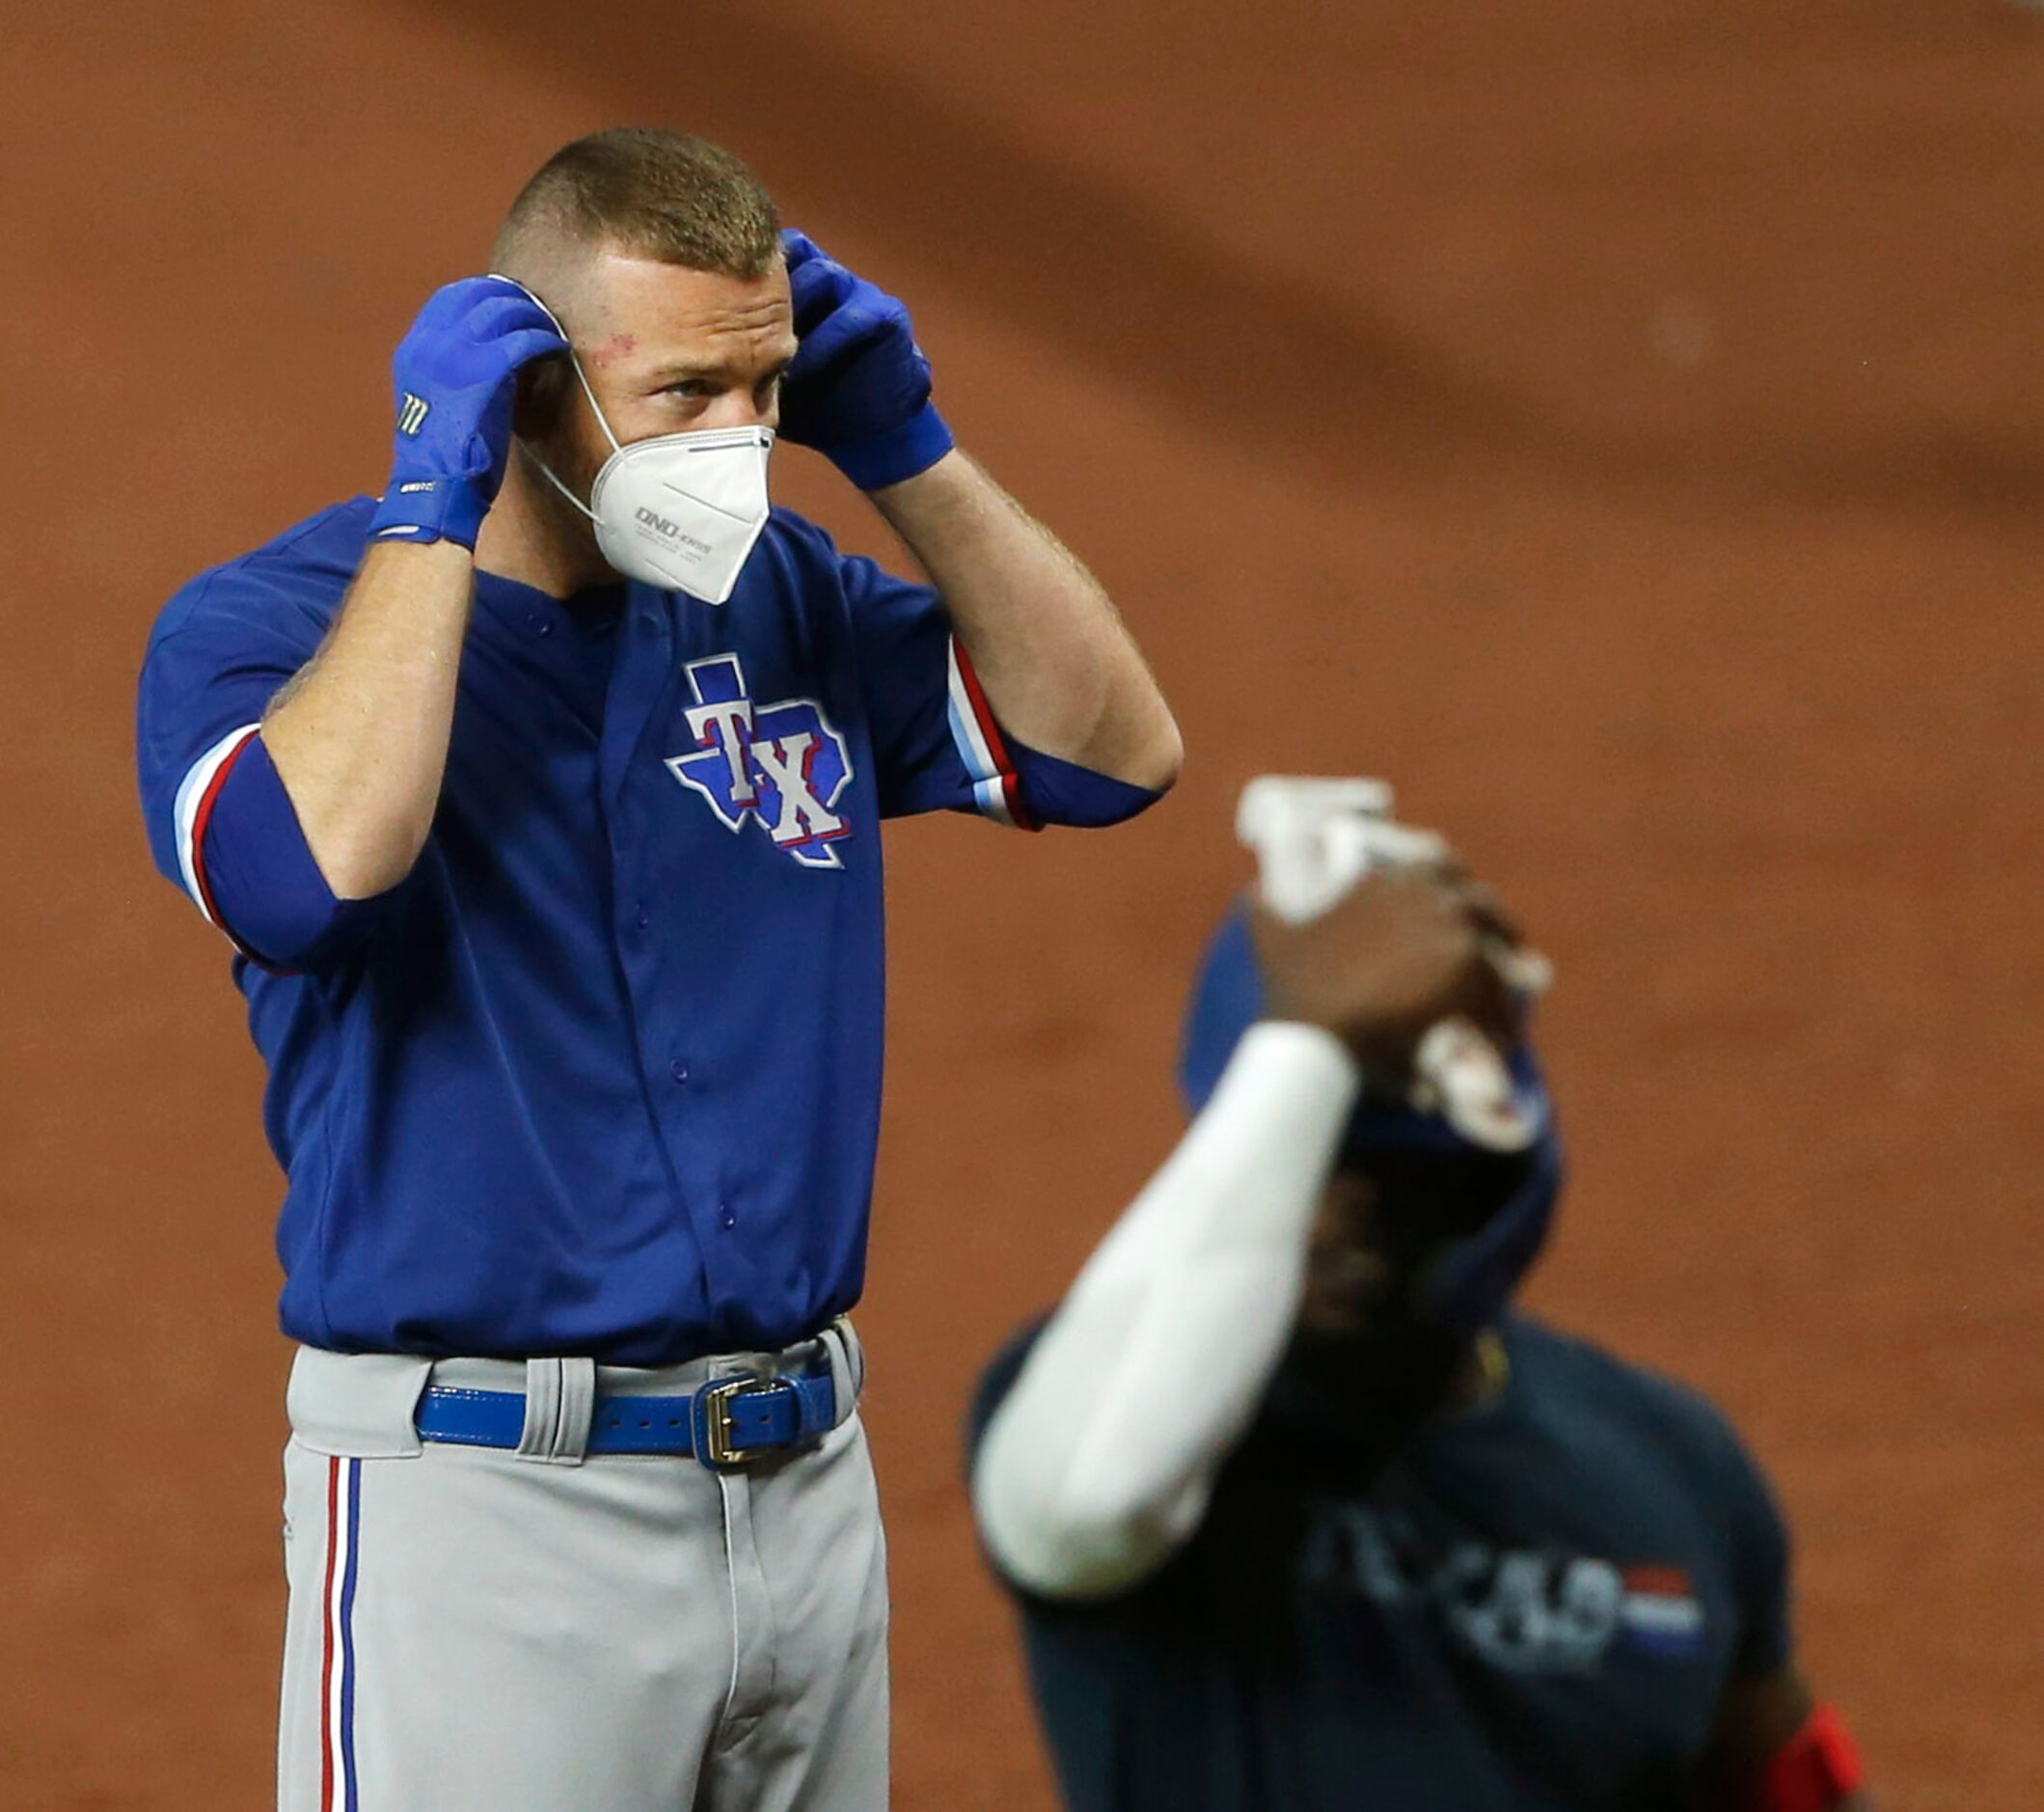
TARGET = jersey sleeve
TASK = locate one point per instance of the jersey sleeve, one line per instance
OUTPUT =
(221, 826)
(939, 744)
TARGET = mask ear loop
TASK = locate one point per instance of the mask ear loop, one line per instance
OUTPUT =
(595, 408)
(546, 472)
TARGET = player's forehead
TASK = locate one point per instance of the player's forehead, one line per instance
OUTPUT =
(643, 315)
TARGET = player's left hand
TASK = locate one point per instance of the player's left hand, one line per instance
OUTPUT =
(1402, 951)
(858, 390)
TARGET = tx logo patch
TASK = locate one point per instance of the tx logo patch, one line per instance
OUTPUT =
(780, 765)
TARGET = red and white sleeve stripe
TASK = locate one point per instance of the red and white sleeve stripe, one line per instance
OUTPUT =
(982, 748)
(193, 812)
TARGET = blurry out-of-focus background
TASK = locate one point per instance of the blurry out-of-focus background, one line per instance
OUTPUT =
(1619, 425)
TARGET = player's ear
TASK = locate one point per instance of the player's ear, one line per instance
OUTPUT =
(542, 398)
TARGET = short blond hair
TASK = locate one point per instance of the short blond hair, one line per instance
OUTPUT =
(653, 193)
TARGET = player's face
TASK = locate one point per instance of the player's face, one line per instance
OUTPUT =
(1349, 1280)
(1379, 1229)
(667, 349)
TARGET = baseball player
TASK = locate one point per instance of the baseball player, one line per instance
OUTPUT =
(1301, 1513)
(541, 800)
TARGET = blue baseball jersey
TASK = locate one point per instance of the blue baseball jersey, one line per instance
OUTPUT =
(602, 1075)
(1532, 1606)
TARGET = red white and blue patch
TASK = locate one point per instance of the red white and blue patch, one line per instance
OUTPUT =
(1660, 1612)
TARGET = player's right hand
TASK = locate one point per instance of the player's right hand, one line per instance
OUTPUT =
(1402, 950)
(455, 374)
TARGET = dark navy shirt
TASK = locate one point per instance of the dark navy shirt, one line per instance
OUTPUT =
(1534, 1606)
(602, 1075)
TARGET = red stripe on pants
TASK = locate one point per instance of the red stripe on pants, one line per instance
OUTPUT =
(326, 1639)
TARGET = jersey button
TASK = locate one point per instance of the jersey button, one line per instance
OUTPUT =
(678, 1070)
(728, 1217)
(644, 919)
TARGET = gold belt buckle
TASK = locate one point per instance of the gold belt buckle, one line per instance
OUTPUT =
(717, 1400)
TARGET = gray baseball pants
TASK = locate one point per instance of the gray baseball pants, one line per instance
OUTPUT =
(475, 1630)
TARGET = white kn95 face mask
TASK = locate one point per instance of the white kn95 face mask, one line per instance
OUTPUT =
(679, 511)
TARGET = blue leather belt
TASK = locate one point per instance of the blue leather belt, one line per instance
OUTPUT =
(726, 1423)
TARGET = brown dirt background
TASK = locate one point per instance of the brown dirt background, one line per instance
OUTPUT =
(1620, 426)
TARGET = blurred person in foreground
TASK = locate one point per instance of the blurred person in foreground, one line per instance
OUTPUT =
(1302, 1513)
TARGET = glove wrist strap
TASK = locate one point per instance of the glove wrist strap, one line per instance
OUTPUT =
(901, 453)
(419, 510)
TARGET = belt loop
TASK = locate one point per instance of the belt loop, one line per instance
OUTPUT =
(559, 1400)
(357, 1405)
(848, 1366)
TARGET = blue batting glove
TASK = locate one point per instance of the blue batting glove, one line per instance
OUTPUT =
(858, 390)
(455, 375)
